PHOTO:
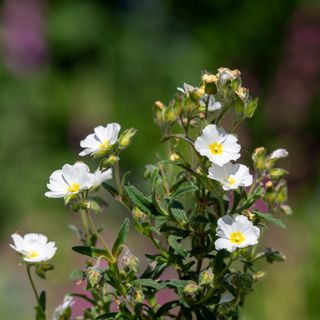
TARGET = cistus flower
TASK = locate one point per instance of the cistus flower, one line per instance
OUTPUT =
(235, 232)
(231, 176)
(71, 179)
(33, 247)
(101, 140)
(218, 146)
(101, 176)
(63, 311)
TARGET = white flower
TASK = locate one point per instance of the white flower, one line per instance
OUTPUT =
(34, 247)
(71, 179)
(218, 146)
(226, 74)
(231, 176)
(64, 308)
(213, 105)
(187, 88)
(236, 232)
(100, 140)
(101, 176)
(279, 153)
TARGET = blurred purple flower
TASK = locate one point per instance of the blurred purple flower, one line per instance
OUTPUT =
(23, 27)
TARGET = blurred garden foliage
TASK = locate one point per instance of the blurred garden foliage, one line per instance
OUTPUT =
(70, 65)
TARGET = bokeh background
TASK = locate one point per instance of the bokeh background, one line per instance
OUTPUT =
(67, 66)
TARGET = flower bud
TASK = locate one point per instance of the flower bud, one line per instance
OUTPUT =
(249, 214)
(210, 81)
(93, 275)
(174, 156)
(129, 262)
(139, 215)
(191, 288)
(282, 193)
(258, 158)
(109, 162)
(170, 115)
(206, 277)
(277, 173)
(286, 209)
(126, 137)
(270, 192)
(159, 109)
(138, 296)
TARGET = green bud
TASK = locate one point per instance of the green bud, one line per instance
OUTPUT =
(282, 193)
(258, 158)
(277, 173)
(138, 296)
(109, 162)
(93, 275)
(129, 262)
(273, 255)
(270, 193)
(126, 137)
(286, 209)
(159, 109)
(170, 115)
(206, 277)
(139, 215)
(191, 288)
(250, 107)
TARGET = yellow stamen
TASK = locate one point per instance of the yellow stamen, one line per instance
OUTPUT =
(236, 237)
(231, 181)
(74, 187)
(32, 254)
(216, 148)
(104, 145)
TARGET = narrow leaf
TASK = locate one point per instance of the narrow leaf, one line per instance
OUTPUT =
(270, 218)
(90, 251)
(124, 229)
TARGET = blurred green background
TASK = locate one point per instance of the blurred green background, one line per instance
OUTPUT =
(67, 66)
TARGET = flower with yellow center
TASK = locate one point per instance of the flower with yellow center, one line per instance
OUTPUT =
(101, 140)
(33, 247)
(231, 176)
(236, 232)
(71, 179)
(218, 146)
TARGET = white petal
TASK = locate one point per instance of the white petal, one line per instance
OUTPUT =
(224, 244)
(227, 296)
(279, 153)
(18, 242)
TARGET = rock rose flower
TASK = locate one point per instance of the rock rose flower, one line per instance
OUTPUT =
(231, 176)
(218, 146)
(34, 247)
(71, 179)
(100, 140)
(236, 232)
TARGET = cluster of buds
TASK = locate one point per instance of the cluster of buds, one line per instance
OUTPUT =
(216, 93)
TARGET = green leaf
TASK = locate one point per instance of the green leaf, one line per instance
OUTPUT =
(179, 215)
(270, 218)
(42, 300)
(148, 283)
(91, 251)
(176, 246)
(251, 108)
(125, 177)
(273, 255)
(110, 189)
(40, 314)
(142, 202)
(184, 190)
(76, 274)
(166, 307)
(109, 315)
(117, 246)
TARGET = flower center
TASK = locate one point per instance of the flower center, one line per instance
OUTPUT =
(215, 148)
(236, 237)
(231, 181)
(74, 187)
(104, 144)
(32, 254)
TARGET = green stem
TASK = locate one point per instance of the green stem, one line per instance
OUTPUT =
(98, 235)
(85, 225)
(32, 283)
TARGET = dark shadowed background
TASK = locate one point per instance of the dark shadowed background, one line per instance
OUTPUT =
(68, 66)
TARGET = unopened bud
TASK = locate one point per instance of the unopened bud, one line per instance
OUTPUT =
(191, 288)
(249, 214)
(282, 193)
(206, 277)
(277, 173)
(94, 276)
(126, 137)
(138, 296)
(139, 215)
(170, 115)
(286, 209)
(109, 162)
(174, 156)
(258, 158)
(128, 261)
